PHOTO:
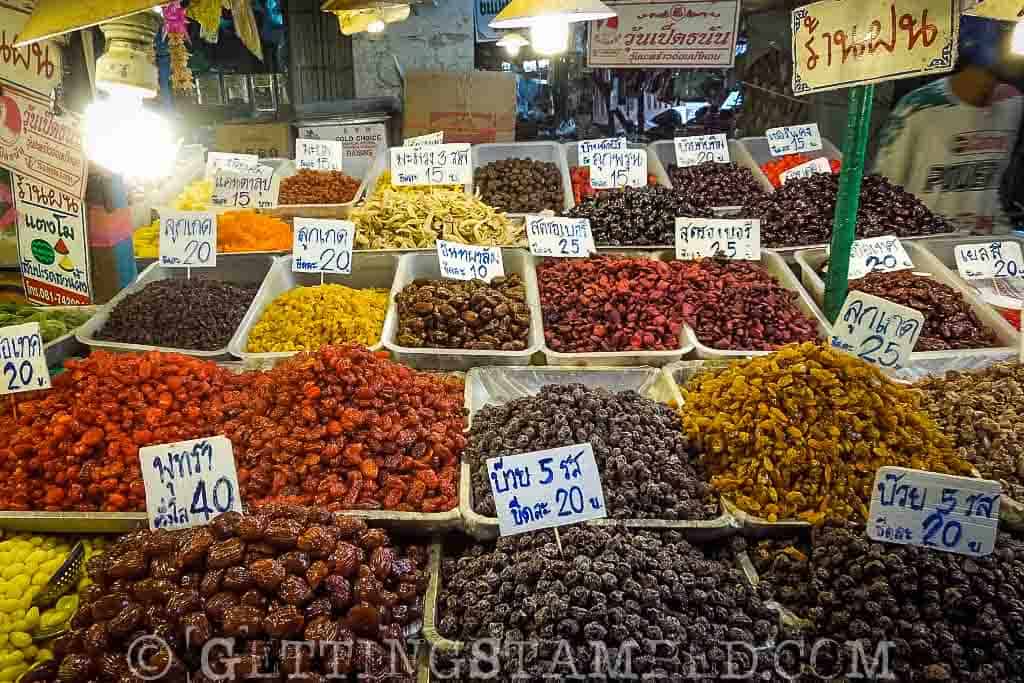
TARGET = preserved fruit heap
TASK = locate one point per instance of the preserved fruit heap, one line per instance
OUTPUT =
(714, 184)
(802, 431)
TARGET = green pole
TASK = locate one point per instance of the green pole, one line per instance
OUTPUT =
(844, 226)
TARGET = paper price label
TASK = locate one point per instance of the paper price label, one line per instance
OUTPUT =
(877, 330)
(251, 188)
(877, 255)
(564, 237)
(216, 161)
(449, 164)
(428, 139)
(989, 260)
(188, 239)
(709, 237)
(939, 511)
(792, 139)
(188, 483)
(319, 155)
(806, 170)
(545, 489)
(698, 149)
(322, 246)
(618, 168)
(585, 149)
(24, 361)
(467, 262)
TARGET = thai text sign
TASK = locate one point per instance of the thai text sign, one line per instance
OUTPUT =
(694, 34)
(838, 44)
(877, 330)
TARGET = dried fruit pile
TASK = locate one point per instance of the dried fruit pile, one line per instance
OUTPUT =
(713, 184)
(640, 450)
(276, 575)
(520, 185)
(318, 187)
(636, 216)
(581, 187)
(801, 432)
(776, 167)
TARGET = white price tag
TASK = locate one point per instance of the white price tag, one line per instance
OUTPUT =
(877, 330)
(989, 260)
(618, 168)
(216, 161)
(432, 165)
(734, 238)
(806, 170)
(188, 239)
(252, 188)
(697, 149)
(877, 255)
(546, 489)
(319, 155)
(24, 361)
(566, 237)
(585, 149)
(188, 483)
(792, 139)
(428, 139)
(467, 262)
(939, 511)
(322, 246)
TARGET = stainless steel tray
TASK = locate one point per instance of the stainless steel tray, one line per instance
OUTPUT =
(73, 522)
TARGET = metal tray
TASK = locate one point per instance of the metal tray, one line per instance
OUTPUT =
(425, 265)
(665, 152)
(369, 271)
(499, 385)
(73, 522)
(236, 268)
(537, 151)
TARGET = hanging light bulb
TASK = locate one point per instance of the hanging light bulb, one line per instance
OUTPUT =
(550, 36)
(377, 25)
(1017, 39)
(512, 42)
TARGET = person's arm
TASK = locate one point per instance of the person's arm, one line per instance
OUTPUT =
(896, 146)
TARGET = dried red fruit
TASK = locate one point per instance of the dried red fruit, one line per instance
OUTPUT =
(284, 622)
(225, 553)
(268, 574)
(244, 621)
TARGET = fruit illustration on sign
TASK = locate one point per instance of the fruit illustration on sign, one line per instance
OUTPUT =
(65, 262)
(43, 252)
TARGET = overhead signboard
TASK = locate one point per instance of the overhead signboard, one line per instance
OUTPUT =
(692, 34)
(36, 67)
(484, 12)
(839, 44)
(56, 17)
(1003, 10)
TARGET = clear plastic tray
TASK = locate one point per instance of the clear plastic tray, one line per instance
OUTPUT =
(234, 268)
(665, 152)
(412, 266)
(777, 267)
(369, 271)
(620, 358)
(285, 168)
(927, 362)
(538, 151)
(496, 386)
(757, 149)
(654, 167)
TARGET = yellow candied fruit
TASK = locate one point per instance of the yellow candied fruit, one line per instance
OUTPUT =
(20, 639)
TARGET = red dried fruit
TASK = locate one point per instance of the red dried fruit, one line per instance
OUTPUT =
(382, 562)
(225, 553)
(268, 574)
(294, 591)
(283, 533)
(284, 622)
(238, 579)
(317, 572)
(243, 621)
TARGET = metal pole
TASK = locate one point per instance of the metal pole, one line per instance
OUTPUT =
(844, 226)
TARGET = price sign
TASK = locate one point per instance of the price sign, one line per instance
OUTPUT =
(546, 489)
(566, 237)
(432, 165)
(322, 246)
(428, 139)
(709, 237)
(319, 155)
(467, 262)
(939, 511)
(216, 161)
(877, 330)
(585, 149)
(698, 149)
(793, 139)
(877, 255)
(618, 168)
(24, 361)
(806, 170)
(989, 260)
(188, 239)
(188, 483)
(251, 188)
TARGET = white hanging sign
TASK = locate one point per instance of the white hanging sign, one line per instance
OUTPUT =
(698, 149)
(22, 359)
(563, 237)
(618, 168)
(188, 239)
(469, 262)
(710, 237)
(449, 164)
(319, 155)
(877, 330)
(428, 139)
(217, 161)
(989, 260)
(877, 255)
(806, 170)
(585, 149)
(793, 139)
(251, 188)
(320, 245)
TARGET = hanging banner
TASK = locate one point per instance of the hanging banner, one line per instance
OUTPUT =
(839, 44)
(484, 12)
(36, 143)
(37, 66)
(697, 34)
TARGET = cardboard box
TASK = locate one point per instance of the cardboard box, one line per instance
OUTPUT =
(471, 106)
(268, 140)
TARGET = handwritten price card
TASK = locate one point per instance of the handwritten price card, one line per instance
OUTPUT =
(989, 260)
(839, 44)
(449, 164)
(564, 237)
(188, 239)
(319, 155)
(23, 358)
(938, 511)
(216, 161)
(618, 168)
(585, 149)
(188, 483)
(546, 489)
(877, 330)
(710, 237)
(697, 149)
(806, 170)
(251, 188)
(322, 246)
(467, 262)
(428, 139)
(877, 255)
(792, 139)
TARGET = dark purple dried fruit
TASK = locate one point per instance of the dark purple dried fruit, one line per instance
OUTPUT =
(296, 562)
(345, 559)
(197, 629)
(182, 602)
(317, 572)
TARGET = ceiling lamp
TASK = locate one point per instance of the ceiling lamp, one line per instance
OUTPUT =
(128, 65)
(512, 42)
(56, 17)
(548, 20)
(356, 16)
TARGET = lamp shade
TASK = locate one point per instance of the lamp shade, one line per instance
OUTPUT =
(525, 13)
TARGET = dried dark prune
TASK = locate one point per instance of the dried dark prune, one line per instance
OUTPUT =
(225, 525)
(217, 605)
(317, 572)
(316, 541)
(237, 579)
(243, 620)
(130, 618)
(294, 591)
(253, 528)
(225, 553)
(182, 602)
(268, 574)
(295, 562)
(193, 546)
(634, 216)
(363, 619)
(382, 562)
(211, 582)
(284, 622)
(373, 539)
(108, 607)
(283, 533)
(345, 559)
(128, 565)
(197, 629)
